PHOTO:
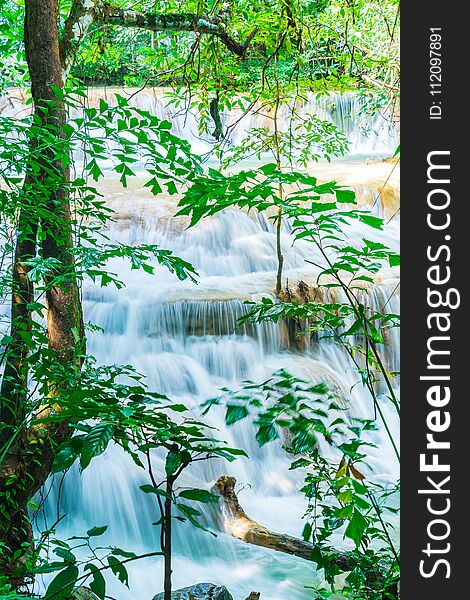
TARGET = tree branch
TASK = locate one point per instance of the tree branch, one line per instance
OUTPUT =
(76, 27)
(211, 25)
(84, 12)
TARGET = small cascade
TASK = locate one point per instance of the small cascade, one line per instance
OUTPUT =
(368, 135)
(371, 135)
(186, 339)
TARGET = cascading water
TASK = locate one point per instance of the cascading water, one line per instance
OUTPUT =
(368, 135)
(184, 338)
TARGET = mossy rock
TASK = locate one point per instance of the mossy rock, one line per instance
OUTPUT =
(200, 591)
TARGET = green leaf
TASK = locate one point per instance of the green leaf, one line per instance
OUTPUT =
(268, 169)
(175, 459)
(154, 186)
(316, 207)
(119, 570)
(359, 487)
(345, 196)
(165, 125)
(65, 554)
(124, 553)
(394, 260)
(346, 512)
(64, 460)
(150, 489)
(345, 496)
(235, 412)
(96, 442)
(373, 333)
(356, 578)
(191, 513)
(356, 528)
(266, 433)
(98, 584)
(62, 585)
(171, 187)
(50, 567)
(96, 531)
(355, 328)
(374, 222)
(103, 105)
(199, 496)
(307, 532)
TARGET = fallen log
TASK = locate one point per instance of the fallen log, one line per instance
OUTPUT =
(236, 522)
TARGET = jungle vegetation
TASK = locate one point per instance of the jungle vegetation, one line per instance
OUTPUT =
(58, 405)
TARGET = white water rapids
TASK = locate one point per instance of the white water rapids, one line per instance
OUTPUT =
(183, 337)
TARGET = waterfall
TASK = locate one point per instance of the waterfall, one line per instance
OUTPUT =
(368, 134)
(185, 339)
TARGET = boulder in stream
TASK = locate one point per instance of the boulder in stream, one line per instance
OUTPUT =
(200, 591)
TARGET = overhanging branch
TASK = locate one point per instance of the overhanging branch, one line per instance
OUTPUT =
(80, 18)
(210, 25)
(84, 12)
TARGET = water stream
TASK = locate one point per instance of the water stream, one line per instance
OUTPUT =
(184, 338)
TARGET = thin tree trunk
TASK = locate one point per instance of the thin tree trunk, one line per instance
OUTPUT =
(280, 256)
(15, 376)
(277, 148)
(167, 551)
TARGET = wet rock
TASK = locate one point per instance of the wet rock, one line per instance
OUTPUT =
(200, 591)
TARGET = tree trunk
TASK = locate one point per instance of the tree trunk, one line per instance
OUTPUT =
(167, 550)
(27, 454)
(234, 520)
(280, 256)
(14, 381)
(26, 469)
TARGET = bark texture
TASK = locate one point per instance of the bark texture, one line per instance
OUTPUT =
(84, 12)
(234, 520)
(14, 381)
(167, 530)
(171, 22)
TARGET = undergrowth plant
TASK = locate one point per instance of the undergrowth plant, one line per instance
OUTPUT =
(330, 448)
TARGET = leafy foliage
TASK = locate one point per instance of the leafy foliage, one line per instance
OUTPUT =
(50, 163)
(307, 417)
